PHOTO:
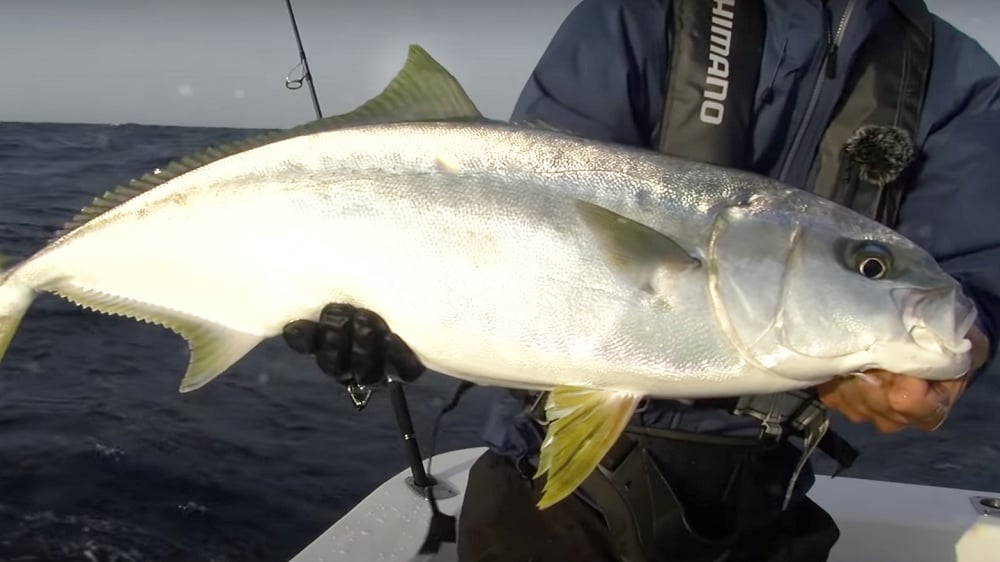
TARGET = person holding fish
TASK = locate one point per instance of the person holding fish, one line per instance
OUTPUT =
(709, 224)
(877, 105)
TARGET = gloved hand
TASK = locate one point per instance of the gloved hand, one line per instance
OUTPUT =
(354, 346)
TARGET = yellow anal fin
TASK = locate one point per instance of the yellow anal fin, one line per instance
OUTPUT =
(214, 347)
(583, 424)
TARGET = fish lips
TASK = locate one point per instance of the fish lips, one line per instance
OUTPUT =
(938, 320)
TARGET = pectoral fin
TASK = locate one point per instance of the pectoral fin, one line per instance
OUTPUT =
(633, 250)
(583, 424)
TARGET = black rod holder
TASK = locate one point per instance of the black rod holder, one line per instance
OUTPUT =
(405, 423)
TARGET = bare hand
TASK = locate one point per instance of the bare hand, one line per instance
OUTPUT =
(892, 401)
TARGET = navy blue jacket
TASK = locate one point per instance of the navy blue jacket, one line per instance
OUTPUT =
(603, 74)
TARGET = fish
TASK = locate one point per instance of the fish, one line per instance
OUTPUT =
(507, 254)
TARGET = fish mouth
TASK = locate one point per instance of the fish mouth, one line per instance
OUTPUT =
(937, 320)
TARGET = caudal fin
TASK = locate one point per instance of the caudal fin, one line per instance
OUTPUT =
(15, 299)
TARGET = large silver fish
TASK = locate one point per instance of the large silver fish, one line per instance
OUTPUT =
(508, 255)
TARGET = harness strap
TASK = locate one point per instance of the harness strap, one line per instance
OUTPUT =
(799, 409)
(866, 152)
(715, 53)
(808, 416)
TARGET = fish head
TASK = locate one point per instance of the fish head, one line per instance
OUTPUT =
(811, 291)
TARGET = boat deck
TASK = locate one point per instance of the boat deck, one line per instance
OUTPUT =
(879, 521)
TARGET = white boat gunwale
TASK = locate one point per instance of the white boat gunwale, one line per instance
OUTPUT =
(878, 520)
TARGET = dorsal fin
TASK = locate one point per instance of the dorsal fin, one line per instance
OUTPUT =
(422, 90)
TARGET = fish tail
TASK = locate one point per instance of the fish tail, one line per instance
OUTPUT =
(15, 298)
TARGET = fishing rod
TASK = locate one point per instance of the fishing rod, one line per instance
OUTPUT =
(296, 83)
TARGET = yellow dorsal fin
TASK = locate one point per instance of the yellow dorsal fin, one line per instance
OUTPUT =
(422, 90)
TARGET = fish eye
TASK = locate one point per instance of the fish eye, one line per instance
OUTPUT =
(872, 260)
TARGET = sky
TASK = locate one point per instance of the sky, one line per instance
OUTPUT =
(224, 62)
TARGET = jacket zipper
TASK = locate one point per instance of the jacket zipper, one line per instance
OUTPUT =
(829, 69)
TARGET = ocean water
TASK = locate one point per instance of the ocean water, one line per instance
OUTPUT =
(101, 459)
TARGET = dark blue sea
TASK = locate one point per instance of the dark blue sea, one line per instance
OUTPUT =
(101, 459)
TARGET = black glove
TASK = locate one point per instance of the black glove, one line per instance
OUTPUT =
(354, 346)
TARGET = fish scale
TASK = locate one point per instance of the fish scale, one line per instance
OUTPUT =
(507, 254)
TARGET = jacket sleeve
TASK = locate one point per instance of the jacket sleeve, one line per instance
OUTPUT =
(953, 208)
(601, 71)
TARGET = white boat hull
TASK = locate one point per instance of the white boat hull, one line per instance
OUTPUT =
(883, 521)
